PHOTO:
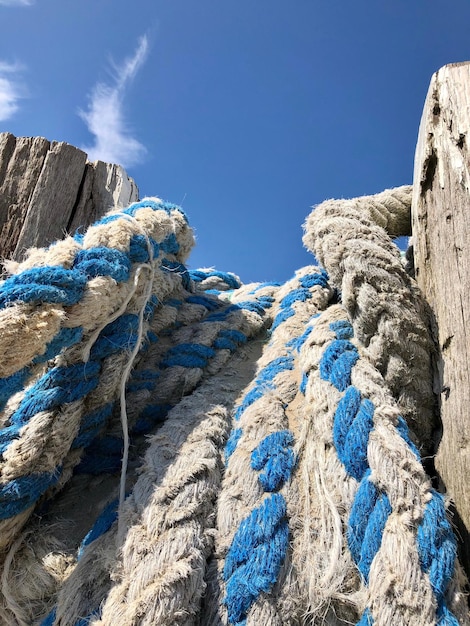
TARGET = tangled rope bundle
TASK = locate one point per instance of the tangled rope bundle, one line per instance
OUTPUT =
(178, 448)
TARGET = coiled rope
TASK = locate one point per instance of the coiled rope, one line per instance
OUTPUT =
(178, 448)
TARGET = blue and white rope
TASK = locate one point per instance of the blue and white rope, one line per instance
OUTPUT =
(252, 517)
(393, 495)
(67, 386)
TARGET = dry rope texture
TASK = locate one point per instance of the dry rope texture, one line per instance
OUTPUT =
(178, 448)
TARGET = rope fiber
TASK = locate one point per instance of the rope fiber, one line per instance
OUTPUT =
(177, 448)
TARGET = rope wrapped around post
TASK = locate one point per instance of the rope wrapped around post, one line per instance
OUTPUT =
(251, 453)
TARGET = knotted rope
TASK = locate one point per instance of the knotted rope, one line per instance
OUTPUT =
(281, 429)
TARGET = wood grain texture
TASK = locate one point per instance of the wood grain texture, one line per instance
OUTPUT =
(54, 197)
(49, 189)
(104, 186)
(22, 172)
(441, 235)
(7, 145)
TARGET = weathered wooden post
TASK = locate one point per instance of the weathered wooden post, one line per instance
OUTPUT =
(49, 188)
(441, 233)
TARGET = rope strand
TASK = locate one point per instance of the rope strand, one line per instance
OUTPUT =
(184, 449)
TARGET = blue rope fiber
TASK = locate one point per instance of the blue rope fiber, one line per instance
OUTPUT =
(60, 385)
(139, 249)
(258, 306)
(229, 279)
(275, 457)
(103, 261)
(263, 285)
(170, 244)
(232, 442)
(175, 267)
(437, 549)
(43, 284)
(122, 334)
(55, 284)
(151, 415)
(366, 619)
(91, 425)
(264, 382)
(188, 355)
(337, 362)
(103, 456)
(307, 282)
(65, 338)
(146, 203)
(229, 340)
(50, 619)
(84, 621)
(318, 278)
(98, 457)
(142, 379)
(150, 307)
(352, 424)
(19, 494)
(255, 557)
(102, 524)
(211, 304)
(260, 544)
(12, 384)
(297, 343)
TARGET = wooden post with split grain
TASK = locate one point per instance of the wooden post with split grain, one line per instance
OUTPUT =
(48, 189)
(441, 234)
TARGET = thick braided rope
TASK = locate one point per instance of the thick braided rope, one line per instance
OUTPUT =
(81, 281)
(213, 280)
(253, 531)
(41, 423)
(175, 519)
(258, 294)
(94, 279)
(397, 530)
(229, 327)
(145, 526)
(339, 432)
(382, 301)
(205, 331)
(326, 578)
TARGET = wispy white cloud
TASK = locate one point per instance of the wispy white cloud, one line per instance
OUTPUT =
(16, 3)
(11, 91)
(104, 117)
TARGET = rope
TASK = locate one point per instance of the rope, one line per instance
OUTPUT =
(179, 448)
(392, 499)
(183, 482)
(51, 407)
(381, 300)
(253, 531)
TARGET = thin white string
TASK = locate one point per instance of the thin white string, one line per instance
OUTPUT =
(128, 368)
(125, 375)
(113, 317)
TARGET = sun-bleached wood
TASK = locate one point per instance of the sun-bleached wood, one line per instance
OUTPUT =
(48, 189)
(53, 198)
(441, 237)
(22, 163)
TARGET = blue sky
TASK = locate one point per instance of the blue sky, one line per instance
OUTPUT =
(245, 113)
